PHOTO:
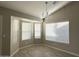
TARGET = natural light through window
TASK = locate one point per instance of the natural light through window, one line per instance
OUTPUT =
(26, 30)
(58, 32)
(37, 30)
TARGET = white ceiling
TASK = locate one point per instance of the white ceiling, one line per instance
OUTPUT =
(34, 8)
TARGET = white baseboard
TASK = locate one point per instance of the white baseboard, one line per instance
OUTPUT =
(62, 50)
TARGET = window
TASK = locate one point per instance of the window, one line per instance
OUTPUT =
(58, 32)
(26, 30)
(37, 30)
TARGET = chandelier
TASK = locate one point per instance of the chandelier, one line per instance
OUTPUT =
(45, 12)
(46, 9)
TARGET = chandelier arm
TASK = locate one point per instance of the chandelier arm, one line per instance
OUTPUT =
(46, 9)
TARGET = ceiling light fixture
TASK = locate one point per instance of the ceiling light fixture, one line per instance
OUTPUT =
(45, 12)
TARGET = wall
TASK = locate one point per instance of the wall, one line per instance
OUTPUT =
(0, 33)
(68, 13)
(16, 13)
(14, 42)
(6, 35)
(6, 27)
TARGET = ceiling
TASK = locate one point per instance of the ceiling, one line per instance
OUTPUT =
(34, 8)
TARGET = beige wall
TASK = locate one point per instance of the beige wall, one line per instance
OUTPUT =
(6, 34)
(6, 27)
(0, 33)
(14, 42)
(16, 13)
(71, 13)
